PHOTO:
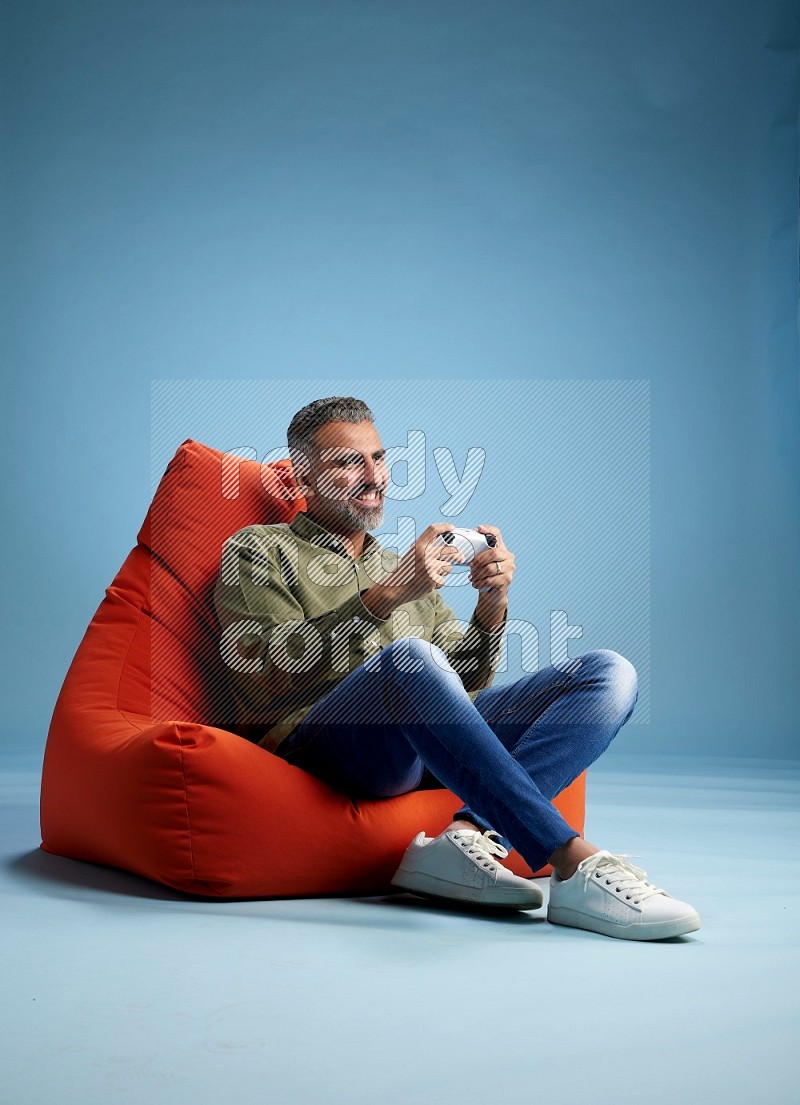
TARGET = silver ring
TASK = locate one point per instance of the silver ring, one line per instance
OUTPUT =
(497, 565)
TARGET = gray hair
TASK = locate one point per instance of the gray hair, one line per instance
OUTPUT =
(304, 425)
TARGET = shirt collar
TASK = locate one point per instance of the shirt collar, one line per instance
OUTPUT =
(311, 531)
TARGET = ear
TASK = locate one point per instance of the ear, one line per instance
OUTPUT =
(302, 483)
(309, 485)
(301, 467)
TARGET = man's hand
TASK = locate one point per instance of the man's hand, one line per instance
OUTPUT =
(493, 568)
(422, 569)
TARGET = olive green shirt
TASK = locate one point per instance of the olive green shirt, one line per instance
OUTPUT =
(293, 623)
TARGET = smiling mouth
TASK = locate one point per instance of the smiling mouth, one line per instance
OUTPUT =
(368, 498)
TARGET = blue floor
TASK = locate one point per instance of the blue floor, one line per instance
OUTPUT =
(117, 990)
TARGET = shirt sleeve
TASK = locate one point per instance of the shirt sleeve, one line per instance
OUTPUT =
(278, 658)
(474, 653)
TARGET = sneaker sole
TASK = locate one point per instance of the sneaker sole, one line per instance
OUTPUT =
(654, 930)
(431, 887)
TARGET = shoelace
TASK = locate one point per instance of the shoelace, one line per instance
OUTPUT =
(482, 844)
(627, 879)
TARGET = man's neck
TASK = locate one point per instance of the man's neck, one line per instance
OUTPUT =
(354, 541)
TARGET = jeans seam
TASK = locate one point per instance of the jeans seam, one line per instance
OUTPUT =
(300, 747)
(525, 701)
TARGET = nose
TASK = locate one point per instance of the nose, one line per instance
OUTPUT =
(370, 474)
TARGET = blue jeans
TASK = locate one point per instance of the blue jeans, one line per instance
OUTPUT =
(506, 756)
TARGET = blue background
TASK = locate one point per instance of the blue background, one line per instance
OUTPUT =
(588, 191)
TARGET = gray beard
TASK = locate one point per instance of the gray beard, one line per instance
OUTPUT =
(355, 517)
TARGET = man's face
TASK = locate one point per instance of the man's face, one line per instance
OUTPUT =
(347, 478)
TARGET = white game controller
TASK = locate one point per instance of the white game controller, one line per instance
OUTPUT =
(470, 542)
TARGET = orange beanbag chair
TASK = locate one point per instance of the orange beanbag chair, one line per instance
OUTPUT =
(144, 769)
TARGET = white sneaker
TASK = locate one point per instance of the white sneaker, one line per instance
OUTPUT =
(609, 895)
(459, 865)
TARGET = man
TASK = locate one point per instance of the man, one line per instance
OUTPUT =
(348, 657)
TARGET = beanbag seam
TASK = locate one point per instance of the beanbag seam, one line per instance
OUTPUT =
(124, 663)
(186, 802)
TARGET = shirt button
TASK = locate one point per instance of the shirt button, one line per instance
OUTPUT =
(356, 618)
